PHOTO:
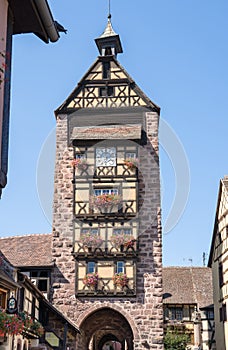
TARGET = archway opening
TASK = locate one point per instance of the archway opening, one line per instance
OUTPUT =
(109, 342)
(106, 329)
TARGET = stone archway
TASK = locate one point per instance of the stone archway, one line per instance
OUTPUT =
(103, 325)
(110, 339)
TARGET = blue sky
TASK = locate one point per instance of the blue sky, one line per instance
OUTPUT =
(177, 52)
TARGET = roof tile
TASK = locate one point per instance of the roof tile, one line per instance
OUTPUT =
(28, 250)
(188, 285)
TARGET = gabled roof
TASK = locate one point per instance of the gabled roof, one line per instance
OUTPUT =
(188, 285)
(28, 250)
(129, 94)
(222, 184)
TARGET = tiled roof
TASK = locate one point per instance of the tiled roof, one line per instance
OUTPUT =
(27, 250)
(188, 285)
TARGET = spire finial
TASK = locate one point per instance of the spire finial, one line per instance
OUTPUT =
(109, 43)
(109, 9)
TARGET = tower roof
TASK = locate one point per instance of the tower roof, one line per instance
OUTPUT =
(108, 42)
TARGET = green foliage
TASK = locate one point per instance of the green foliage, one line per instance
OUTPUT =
(176, 341)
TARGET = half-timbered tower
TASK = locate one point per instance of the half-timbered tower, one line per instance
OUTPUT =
(107, 244)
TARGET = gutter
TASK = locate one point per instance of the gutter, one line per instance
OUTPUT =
(47, 19)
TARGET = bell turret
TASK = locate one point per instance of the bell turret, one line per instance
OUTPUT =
(109, 42)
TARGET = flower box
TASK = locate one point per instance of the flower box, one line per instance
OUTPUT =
(106, 202)
(122, 240)
(131, 163)
(91, 280)
(120, 280)
(79, 163)
(91, 240)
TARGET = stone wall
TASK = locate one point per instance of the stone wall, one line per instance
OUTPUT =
(141, 316)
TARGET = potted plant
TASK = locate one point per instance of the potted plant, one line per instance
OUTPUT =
(118, 240)
(120, 279)
(91, 240)
(31, 325)
(131, 163)
(10, 324)
(105, 202)
(121, 240)
(80, 163)
(91, 280)
(130, 242)
(37, 328)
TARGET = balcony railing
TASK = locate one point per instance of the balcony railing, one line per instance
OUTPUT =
(126, 209)
(119, 171)
(105, 287)
(106, 248)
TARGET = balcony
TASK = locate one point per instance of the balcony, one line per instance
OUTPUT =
(86, 211)
(106, 288)
(125, 249)
(120, 171)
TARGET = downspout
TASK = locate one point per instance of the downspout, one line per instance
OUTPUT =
(47, 19)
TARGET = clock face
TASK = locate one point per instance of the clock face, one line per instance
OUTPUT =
(106, 156)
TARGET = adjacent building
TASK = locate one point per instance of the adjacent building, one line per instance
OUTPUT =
(17, 17)
(188, 304)
(218, 261)
(33, 323)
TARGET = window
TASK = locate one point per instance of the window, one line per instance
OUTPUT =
(120, 267)
(221, 276)
(33, 307)
(91, 231)
(210, 314)
(106, 70)
(91, 267)
(100, 191)
(176, 313)
(223, 313)
(119, 231)
(106, 91)
(41, 280)
(130, 155)
(105, 156)
(2, 299)
(127, 231)
(80, 156)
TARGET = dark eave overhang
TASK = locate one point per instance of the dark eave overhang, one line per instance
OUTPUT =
(33, 16)
(6, 281)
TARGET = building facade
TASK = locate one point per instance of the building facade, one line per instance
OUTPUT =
(218, 261)
(188, 305)
(27, 319)
(107, 245)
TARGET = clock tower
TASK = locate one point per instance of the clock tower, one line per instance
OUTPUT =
(106, 245)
